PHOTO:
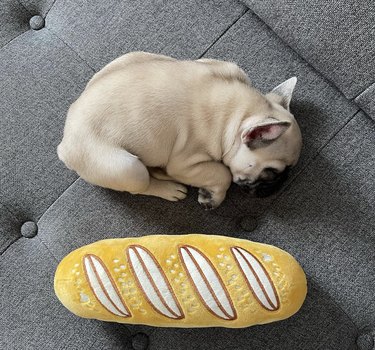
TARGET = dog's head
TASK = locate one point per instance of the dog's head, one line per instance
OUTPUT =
(267, 145)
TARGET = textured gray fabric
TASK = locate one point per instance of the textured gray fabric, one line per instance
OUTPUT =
(14, 19)
(183, 29)
(37, 7)
(9, 228)
(326, 220)
(366, 100)
(318, 325)
(104, 213)
(36, 88)
(319, 108)
(336, 37)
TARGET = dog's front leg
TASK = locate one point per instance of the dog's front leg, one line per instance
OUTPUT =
(212, 178)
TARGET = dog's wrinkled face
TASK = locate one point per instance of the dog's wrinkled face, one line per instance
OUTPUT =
(269, 145)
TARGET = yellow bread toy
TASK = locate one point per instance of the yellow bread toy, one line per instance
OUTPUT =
(181, 281)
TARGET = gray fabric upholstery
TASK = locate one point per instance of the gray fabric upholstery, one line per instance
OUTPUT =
(323, 216)
(36, 89)
(336, 37)
(14, 20)
(366, 100)
(37, 7)
(9, 228)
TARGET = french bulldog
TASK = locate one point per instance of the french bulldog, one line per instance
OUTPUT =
(150, 124)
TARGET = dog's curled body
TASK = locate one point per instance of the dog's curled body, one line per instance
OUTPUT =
(146, 111)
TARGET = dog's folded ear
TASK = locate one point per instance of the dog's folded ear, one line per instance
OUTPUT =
(282, 94)
(262, 134)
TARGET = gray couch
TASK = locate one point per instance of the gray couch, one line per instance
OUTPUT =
(324, 215)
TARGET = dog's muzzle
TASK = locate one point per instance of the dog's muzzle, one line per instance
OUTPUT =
(263, 188)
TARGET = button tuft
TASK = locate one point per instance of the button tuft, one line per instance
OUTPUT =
(36, 22)
(140, 341)
(29, 229)
(248, 223)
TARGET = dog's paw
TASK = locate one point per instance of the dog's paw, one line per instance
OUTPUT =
(206, 200)
(173, 191)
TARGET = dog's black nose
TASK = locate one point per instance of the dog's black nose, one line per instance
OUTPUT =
(242, 182)
(267, 188)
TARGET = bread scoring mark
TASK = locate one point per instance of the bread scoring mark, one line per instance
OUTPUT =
(103, 286)
(153, 283)
(207, 283)
(257, 279)
(232, 277)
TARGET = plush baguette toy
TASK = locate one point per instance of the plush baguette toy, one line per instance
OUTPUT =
(181, 281)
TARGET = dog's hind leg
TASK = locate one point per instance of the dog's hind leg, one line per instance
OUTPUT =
(115, 168)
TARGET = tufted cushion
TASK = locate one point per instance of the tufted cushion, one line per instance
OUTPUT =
(37, 7)
(36, 89)
(336, 37)
(183, 29)
(324, 216)
(14, 20)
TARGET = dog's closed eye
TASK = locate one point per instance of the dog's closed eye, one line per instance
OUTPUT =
(273, 170)
(269, 174)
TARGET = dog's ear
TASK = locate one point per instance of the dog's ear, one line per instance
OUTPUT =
(260, 135)
(282, 93)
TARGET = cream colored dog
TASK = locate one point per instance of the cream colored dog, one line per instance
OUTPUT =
(148, 123)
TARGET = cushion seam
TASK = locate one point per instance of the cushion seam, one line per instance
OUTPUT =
(45, 15)
(359, 104)
(54, 2)
(51, 205)
(2, 252)
(48, 250)
(7, 43)
(364, 91)
(71, 49)
(223, 33)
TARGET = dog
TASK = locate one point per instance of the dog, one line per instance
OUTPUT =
(150, 124)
